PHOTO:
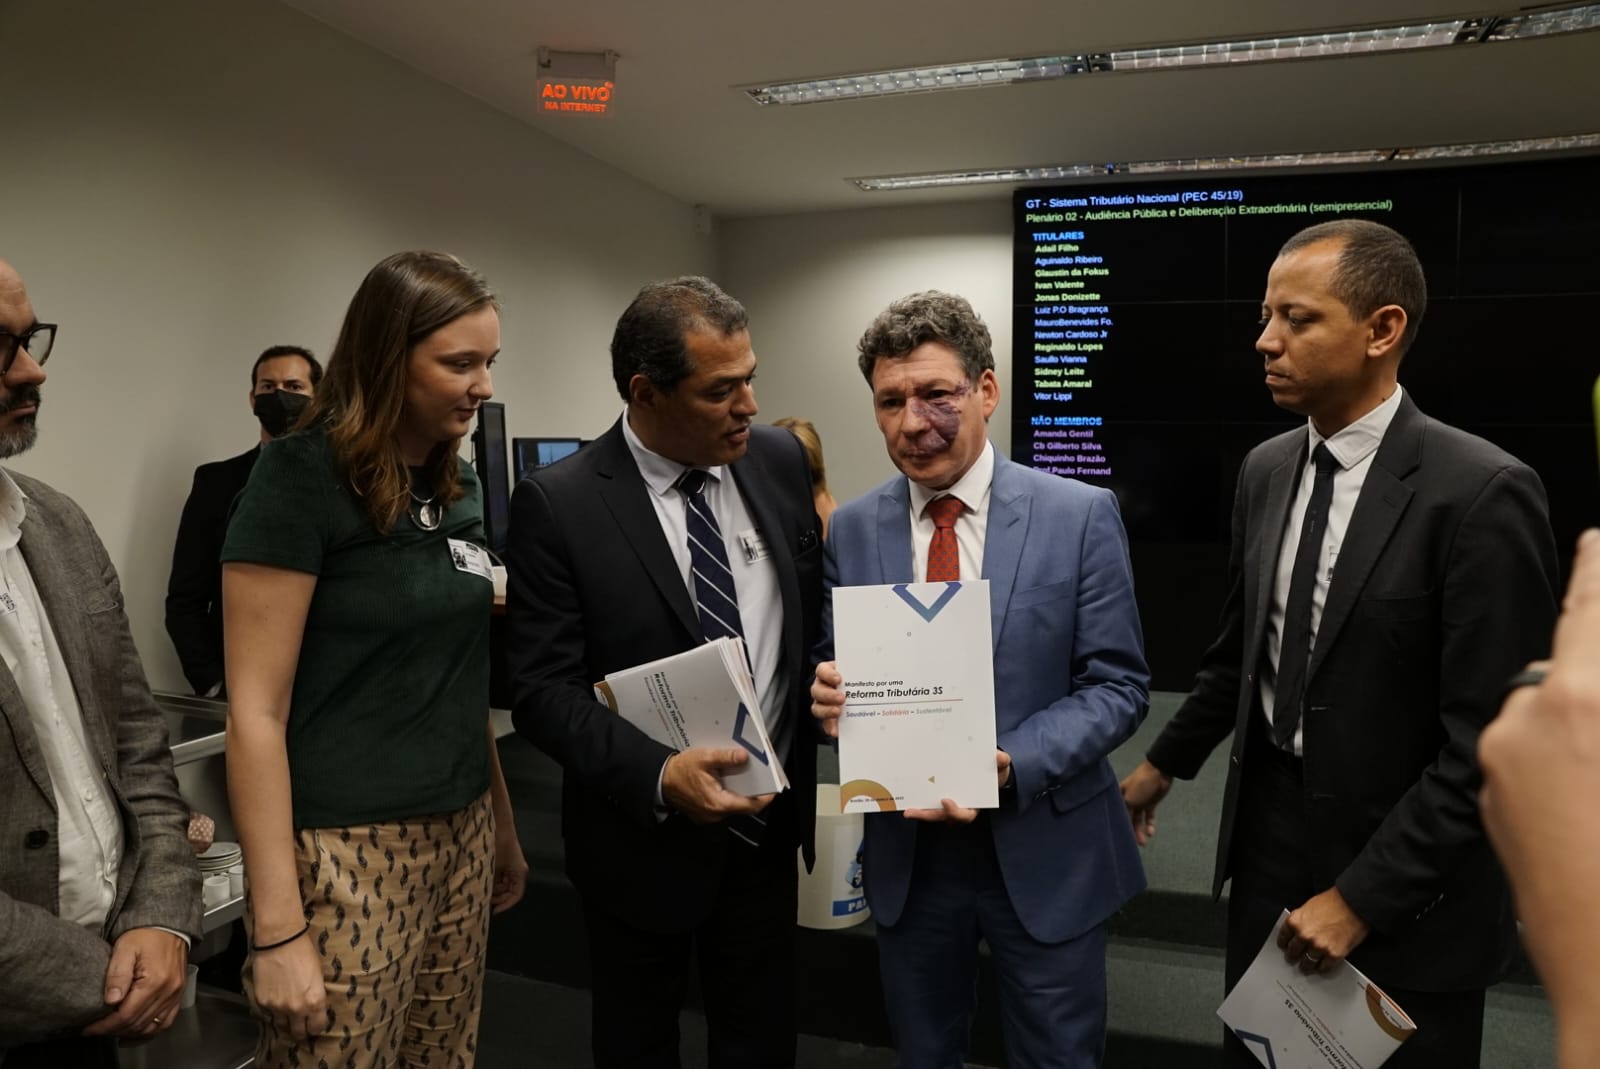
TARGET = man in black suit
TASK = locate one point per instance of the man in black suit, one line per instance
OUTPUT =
(1388, 573)
(619, 555)
(281, 383)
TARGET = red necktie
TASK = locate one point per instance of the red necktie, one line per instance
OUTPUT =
(944, 557)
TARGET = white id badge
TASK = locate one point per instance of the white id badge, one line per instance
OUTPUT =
(468, 557)
(752, 546)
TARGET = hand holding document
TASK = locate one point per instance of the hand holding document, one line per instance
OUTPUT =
(918, 721)
(704, 697)
(1293, 1020)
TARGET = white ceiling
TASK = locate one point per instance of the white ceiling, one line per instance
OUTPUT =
(680, 125)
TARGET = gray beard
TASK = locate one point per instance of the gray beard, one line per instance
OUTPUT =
(18, 440)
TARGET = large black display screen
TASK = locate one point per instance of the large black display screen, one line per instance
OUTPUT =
(1134, 367)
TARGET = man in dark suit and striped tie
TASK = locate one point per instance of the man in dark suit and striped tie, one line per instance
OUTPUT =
(684, 522)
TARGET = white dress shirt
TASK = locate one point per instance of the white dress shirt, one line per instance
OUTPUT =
(88, 824)
(1354, 447)
(755, 577)
(973, 490)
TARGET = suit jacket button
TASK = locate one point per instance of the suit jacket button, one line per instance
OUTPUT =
(36, 839)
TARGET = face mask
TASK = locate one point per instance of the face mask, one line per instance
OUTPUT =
(278, 410)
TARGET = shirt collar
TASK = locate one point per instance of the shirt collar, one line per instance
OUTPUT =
(972, 488)
(660, 474)
(1361, 439)
(12, 510)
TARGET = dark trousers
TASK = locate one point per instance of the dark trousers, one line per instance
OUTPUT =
(1272, 868)
(61, 1053)
(1052, 995)
(746, 954)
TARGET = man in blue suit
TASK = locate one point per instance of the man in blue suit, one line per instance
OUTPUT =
(1036, 878)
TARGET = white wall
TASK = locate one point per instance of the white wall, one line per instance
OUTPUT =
(188, 182)
(813, 282)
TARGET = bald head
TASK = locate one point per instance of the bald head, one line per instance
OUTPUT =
(19, 386)
(13, 299)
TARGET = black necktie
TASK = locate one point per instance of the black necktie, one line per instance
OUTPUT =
(1294, 652)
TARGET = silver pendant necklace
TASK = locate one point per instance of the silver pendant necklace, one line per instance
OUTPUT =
(428, 512)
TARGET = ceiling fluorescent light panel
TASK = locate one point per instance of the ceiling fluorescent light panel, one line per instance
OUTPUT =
(1056, 172)
(1362, 41)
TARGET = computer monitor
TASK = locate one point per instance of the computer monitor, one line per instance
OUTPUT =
(489, 458)
(530, 453)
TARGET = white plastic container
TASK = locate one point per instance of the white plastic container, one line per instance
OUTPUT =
(214, 890)
(832, 895)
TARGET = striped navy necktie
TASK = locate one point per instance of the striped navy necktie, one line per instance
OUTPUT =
(715, 599)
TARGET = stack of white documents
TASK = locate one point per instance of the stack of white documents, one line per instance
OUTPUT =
(702, 697)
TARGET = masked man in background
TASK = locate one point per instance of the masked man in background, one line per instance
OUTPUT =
(281, 384)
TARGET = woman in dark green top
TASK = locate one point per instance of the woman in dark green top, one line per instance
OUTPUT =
(376, 828)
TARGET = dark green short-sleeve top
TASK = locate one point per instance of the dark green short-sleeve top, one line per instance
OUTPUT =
(391, 692)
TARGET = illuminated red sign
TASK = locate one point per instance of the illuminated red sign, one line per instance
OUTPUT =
(575, 95)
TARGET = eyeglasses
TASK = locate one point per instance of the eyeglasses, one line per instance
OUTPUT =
(37, 341)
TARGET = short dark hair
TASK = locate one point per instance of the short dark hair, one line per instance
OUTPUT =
(923, 317)
(276, 351)
(1377, 266)
(650, 337)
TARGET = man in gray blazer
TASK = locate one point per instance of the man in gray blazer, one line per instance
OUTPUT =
(99, 890)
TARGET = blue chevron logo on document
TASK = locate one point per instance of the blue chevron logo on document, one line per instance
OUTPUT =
(927, 612)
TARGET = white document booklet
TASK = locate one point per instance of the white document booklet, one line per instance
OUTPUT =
(702, 697)
(1292, 1020)
(918, 722)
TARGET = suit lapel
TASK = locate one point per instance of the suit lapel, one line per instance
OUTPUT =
(1271, 521)
(627, 496)
(57, 580)
(751, 478)
(1007, 530)
(1383, 500)
(20, 723)
(895, 564)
